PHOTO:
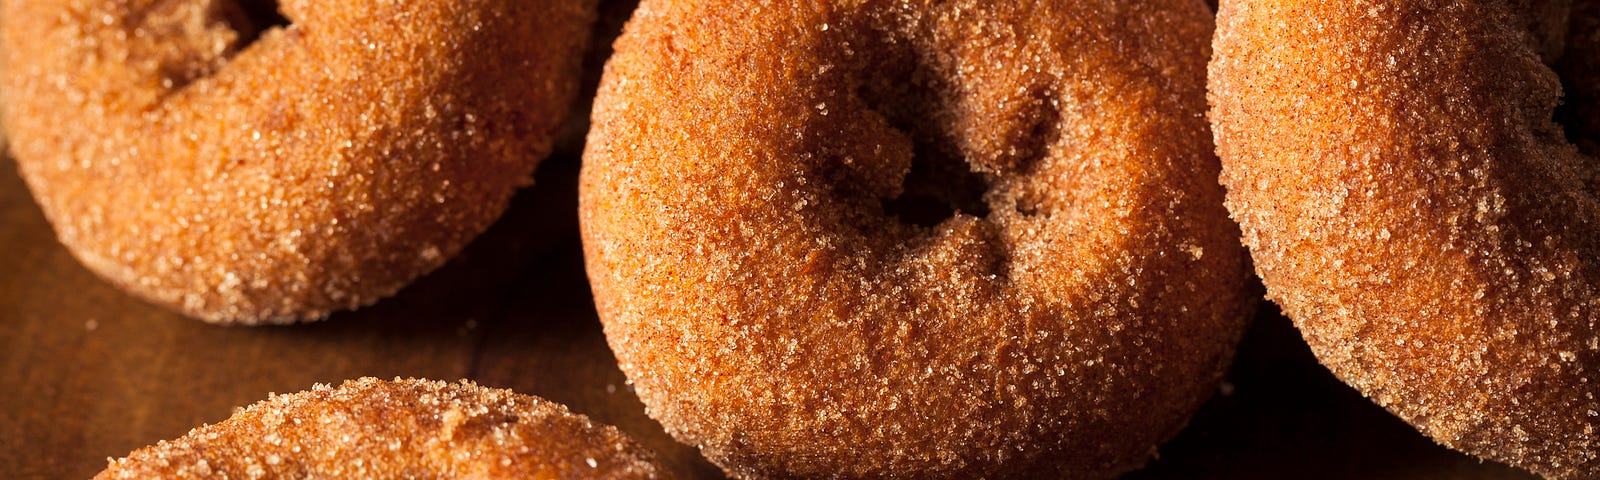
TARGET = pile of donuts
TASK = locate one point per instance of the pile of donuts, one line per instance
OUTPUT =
(854, 239)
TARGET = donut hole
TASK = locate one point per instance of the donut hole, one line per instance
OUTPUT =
(940, 182)
(184, 36)
(1577, 112)
(1570, 118)
(937, 188)
(969, 157)
(251, 18)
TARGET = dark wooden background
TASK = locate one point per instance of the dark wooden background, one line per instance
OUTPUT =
(87, 372)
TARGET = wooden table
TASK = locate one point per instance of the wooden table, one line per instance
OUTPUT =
(87, 372)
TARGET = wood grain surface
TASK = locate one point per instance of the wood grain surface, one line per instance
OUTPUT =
(87, 372)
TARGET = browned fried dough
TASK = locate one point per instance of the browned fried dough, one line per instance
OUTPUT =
(200, 155)
(913, 239)
(377, 429)
(1411, 204)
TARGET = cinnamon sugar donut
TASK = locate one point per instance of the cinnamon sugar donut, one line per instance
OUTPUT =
(1410, 203)
(913, 239)
(374, 429)
(201, 155)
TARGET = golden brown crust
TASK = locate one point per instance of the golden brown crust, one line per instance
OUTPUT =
(377, 429)
(772, 310)
(319, 168)
(1412, 206)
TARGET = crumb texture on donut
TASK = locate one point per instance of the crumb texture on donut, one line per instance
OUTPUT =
(913, 239)
(375, 429)
(202, 155)
(1411, 203)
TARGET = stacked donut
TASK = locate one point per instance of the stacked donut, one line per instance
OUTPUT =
(858, 239)
(242, 165)
(913, 239)
(1412, 205)
(371, 428)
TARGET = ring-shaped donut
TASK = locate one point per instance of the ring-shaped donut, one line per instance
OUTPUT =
(755, 206)
(401, 429)
(1411, 204)
(202, 156)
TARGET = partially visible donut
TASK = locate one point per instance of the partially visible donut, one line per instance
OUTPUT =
(198, 156)
(1410, 203)
(375, 429)
(779, 298)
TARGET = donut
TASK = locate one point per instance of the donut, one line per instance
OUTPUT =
(1411, 203)
(242, 166)
(913, 239)
(370, 428)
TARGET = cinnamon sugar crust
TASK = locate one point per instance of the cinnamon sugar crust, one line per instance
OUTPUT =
(245, 167)
(958, 239)
(1411, 204)
(375, 429)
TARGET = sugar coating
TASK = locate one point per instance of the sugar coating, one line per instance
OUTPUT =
(319, 168)
(375, 429)
(770, 310)
(1411, 204)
